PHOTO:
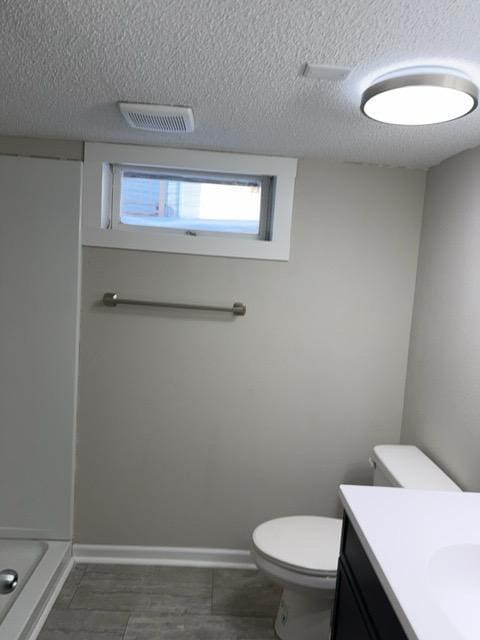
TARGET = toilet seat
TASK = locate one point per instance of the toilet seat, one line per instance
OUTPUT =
(305, 544)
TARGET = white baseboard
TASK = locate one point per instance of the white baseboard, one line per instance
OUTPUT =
(168, 556)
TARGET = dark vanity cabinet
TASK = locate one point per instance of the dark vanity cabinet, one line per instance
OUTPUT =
(361, 611)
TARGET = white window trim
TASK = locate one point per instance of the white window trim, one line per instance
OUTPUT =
(97, 192)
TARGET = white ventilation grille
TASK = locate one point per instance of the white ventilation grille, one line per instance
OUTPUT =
(152, 117)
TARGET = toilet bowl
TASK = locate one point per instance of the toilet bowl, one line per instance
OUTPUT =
(300, 553)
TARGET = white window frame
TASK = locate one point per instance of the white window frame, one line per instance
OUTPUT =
(98, 230)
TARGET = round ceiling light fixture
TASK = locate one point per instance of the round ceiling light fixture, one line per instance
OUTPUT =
(410, 97)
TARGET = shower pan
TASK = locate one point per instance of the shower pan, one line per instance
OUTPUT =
(29, 578)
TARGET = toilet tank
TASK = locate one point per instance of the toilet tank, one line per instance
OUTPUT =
(406, 466)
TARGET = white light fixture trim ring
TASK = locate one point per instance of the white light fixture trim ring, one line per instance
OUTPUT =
(455, 83)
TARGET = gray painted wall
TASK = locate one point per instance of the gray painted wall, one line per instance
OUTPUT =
(442, 400)
(195, 428)
(39, 256)
(41, 147)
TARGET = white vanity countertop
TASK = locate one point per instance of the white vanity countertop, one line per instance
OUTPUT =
(425, 549)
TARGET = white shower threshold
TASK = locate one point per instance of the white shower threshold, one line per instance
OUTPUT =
(43, 567)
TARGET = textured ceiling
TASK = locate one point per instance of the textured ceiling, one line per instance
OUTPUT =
(65, 64)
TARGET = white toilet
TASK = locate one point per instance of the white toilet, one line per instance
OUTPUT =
(301, 552)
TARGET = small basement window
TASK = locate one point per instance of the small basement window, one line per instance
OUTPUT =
(192, 202)
(180, 201)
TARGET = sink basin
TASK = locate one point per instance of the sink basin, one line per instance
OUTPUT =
(454, 577)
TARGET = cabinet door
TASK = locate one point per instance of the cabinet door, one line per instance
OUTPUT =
(348, 620)
(367, 587)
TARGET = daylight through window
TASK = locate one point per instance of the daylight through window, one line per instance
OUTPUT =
(193, 202)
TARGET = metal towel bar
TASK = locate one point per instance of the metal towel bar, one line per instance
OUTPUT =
(112, 299)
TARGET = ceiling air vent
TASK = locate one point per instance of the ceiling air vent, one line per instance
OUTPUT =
(156, 117)
(325, 72)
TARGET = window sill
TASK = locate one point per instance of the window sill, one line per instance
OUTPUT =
(195, 245)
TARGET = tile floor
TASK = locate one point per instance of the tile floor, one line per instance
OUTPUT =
(121, 602)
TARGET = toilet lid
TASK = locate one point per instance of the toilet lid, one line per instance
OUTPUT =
(309, 543)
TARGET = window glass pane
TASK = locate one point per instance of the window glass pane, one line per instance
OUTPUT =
(191, 202)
